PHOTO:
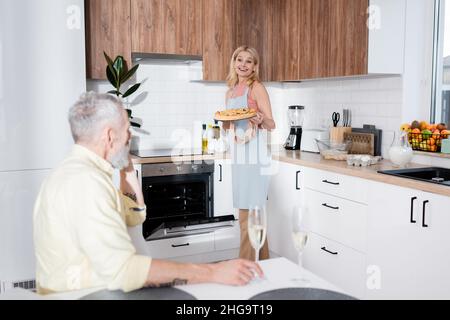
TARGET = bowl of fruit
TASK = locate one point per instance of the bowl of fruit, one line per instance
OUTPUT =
(424, 136)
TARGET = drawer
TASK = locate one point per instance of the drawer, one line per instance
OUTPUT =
(336, 218)
(227, 238)
(347, 187)
(182, 246)
(340, 265)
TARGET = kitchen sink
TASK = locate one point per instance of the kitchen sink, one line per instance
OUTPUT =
(427, 174)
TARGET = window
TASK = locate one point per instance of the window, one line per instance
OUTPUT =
(440, 107)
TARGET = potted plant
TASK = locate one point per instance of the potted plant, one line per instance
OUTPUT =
(117, 73)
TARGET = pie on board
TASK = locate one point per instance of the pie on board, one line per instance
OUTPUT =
(235, 114)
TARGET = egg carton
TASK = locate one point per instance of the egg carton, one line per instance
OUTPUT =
(362, 160)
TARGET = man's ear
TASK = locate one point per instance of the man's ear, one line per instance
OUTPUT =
(109, 137)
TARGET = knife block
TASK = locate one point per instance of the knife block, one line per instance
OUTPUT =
(337, 134)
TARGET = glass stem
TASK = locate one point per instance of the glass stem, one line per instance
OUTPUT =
(256, 255)
(300, 263)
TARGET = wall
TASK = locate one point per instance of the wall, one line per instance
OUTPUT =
(173, 105)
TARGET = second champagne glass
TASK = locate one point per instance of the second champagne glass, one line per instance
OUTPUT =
(300, 238)
(257, 228)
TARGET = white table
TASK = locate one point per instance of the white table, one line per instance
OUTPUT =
(279, 273)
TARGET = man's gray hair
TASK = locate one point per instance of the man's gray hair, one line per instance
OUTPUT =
(92, 112)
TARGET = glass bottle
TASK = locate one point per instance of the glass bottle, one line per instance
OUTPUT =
(400, 152)
(204, 140)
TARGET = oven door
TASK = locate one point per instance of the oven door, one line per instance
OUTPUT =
(180, 205)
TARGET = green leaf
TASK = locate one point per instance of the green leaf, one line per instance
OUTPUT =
(131, 90)
(129, 113)
(111, 76)
(118, 65)
(110, 71)
(134, 124)
(129, 74)
(112, 92)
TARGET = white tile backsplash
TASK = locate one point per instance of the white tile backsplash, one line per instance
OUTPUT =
(169, 101)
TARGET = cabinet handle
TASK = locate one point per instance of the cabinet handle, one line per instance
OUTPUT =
(296, 180)
(423, 214)
(328, 206)
(220, 173)
(412, 209)
(333, 183)
(180, 245)
(330, 252)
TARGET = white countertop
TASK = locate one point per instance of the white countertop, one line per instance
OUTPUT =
(278, 272)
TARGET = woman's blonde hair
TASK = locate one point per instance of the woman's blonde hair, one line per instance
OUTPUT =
(232, 79)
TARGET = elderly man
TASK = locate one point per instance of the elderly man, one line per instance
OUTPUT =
(80, 218)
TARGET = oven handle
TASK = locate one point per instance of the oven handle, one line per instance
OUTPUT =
(180, 245)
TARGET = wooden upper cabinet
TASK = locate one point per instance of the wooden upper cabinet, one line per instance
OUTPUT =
(107, 29)
(349, 35)
(167, 26)
(314, 38)
(333, 38)
(285, 43)
(219, 34)
(254, 29)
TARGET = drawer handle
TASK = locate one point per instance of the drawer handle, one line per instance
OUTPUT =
(423, 214)
(329, 182)
(180, 245)
(330, 252)
(296, 180)
(220, 173)
(328, 206)
(412, 209)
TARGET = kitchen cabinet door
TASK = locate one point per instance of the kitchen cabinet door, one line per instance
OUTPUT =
(219, 34)
(254, 29)
(167, 26)
(285, 193)
(285, 39)
(108, 28)
(347, 38)
(223, 193)
(407, 249)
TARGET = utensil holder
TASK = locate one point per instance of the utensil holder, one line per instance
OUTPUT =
(337, 134)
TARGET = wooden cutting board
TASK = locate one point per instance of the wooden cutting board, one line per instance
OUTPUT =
(362, 143)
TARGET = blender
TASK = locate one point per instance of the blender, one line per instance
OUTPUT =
(295, 118)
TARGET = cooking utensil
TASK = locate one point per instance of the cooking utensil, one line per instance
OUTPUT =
(335, 117)
(345, 123)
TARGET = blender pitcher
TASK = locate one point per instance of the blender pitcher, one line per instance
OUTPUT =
(295, 117)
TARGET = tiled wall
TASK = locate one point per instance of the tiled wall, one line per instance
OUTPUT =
(173, 103)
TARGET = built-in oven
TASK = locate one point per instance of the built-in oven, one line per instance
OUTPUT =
(180, 200)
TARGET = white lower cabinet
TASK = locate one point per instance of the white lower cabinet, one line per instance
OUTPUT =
(223, 189)
(408, 244)
(339, 219)
(335, 216)
(336, 263)
(285, 193)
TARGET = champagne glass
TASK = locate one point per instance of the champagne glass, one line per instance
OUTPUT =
(257, 227)
(300, 239)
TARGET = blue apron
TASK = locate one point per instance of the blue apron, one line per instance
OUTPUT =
(250, 162)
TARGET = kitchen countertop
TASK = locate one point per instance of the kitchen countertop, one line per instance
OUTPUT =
(314, 160)
(187, 158)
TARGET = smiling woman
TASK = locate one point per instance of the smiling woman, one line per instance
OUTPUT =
(248, 140)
